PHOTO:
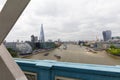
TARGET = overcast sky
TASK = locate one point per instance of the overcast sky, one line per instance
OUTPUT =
(67, 19)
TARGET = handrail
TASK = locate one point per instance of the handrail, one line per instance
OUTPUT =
(50, 70)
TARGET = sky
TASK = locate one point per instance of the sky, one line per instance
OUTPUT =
(67, 19)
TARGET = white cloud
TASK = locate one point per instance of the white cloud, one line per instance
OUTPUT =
(68, 19)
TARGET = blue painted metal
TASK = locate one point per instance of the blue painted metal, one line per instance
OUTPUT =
(48, 69)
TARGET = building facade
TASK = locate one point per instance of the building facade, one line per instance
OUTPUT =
(42, 38)
(107, 35)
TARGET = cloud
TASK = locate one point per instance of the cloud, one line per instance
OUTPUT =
(68, 19)
(2, 2)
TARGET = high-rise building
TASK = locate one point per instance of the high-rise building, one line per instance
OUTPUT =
(34, 39)
(42, 38)
(107, 35)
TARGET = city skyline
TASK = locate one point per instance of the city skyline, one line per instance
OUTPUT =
(67, 20)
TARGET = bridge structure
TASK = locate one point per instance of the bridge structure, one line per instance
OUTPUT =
(9, 14)
(43, 69)
(54, 70)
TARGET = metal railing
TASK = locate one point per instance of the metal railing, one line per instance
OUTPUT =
(54, 70)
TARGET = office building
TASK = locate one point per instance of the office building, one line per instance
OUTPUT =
(107, 35)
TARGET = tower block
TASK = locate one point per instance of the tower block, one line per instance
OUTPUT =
(11, 11)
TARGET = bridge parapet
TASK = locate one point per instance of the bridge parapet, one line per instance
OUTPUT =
(54, 70)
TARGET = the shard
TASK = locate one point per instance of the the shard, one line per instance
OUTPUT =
(42, 38)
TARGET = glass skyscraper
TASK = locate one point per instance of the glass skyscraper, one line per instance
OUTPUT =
(107, 35)
(42, 38)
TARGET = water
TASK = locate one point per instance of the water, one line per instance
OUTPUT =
(77, 54)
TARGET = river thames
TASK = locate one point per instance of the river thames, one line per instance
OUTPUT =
(77, 54)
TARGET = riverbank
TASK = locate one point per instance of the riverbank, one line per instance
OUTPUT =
(36, 52)
(113, 56)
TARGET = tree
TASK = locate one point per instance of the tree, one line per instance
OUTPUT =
(12, 52)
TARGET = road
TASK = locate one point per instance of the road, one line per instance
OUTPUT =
(77, 54)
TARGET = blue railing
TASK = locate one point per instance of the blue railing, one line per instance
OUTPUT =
(54, 70)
